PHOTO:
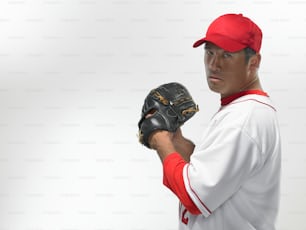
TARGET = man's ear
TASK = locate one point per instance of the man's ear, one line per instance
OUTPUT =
(254, 63)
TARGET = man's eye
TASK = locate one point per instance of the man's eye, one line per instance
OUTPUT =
(209, 52)
(227, 55)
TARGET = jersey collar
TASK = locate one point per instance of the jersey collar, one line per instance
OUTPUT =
(229, 99)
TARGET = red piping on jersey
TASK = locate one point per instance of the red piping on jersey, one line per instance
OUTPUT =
(229, 99)
(258, 102)
(207, 209)
(173, 166)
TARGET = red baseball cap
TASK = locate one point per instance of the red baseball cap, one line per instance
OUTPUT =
(233, 32)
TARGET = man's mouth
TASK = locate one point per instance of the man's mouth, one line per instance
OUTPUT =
(214, 78)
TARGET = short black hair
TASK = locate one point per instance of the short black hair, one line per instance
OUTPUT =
(249, 52)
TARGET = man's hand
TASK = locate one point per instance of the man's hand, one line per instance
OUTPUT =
(165, 143)
(162, 142)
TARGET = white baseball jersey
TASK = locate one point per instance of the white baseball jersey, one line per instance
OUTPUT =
(233, 177)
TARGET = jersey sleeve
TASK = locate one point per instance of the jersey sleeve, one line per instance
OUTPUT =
(219, 167)
(173, 179)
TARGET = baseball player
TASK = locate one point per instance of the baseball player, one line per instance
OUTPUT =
(231, 179)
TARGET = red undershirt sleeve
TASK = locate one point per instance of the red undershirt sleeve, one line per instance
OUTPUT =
(173, 166)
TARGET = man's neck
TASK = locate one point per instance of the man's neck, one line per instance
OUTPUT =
(253, 84)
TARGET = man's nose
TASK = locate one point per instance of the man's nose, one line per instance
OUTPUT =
(214, 64)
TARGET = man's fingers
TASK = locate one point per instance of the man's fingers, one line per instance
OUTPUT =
(150, 113)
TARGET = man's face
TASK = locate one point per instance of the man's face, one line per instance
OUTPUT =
(227, 72)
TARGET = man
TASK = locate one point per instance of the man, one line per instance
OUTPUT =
(231, 180)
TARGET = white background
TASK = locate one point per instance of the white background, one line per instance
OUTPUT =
(73, 76)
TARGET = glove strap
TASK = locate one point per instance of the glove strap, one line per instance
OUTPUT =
(160, 97)
(190, 110)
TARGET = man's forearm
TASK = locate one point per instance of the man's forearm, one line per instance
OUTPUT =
(185, 148)
(166, 143)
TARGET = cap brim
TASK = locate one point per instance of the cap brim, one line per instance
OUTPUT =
(198, 43)
(225, 43)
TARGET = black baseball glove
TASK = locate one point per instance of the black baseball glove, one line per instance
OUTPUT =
(165, 108)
